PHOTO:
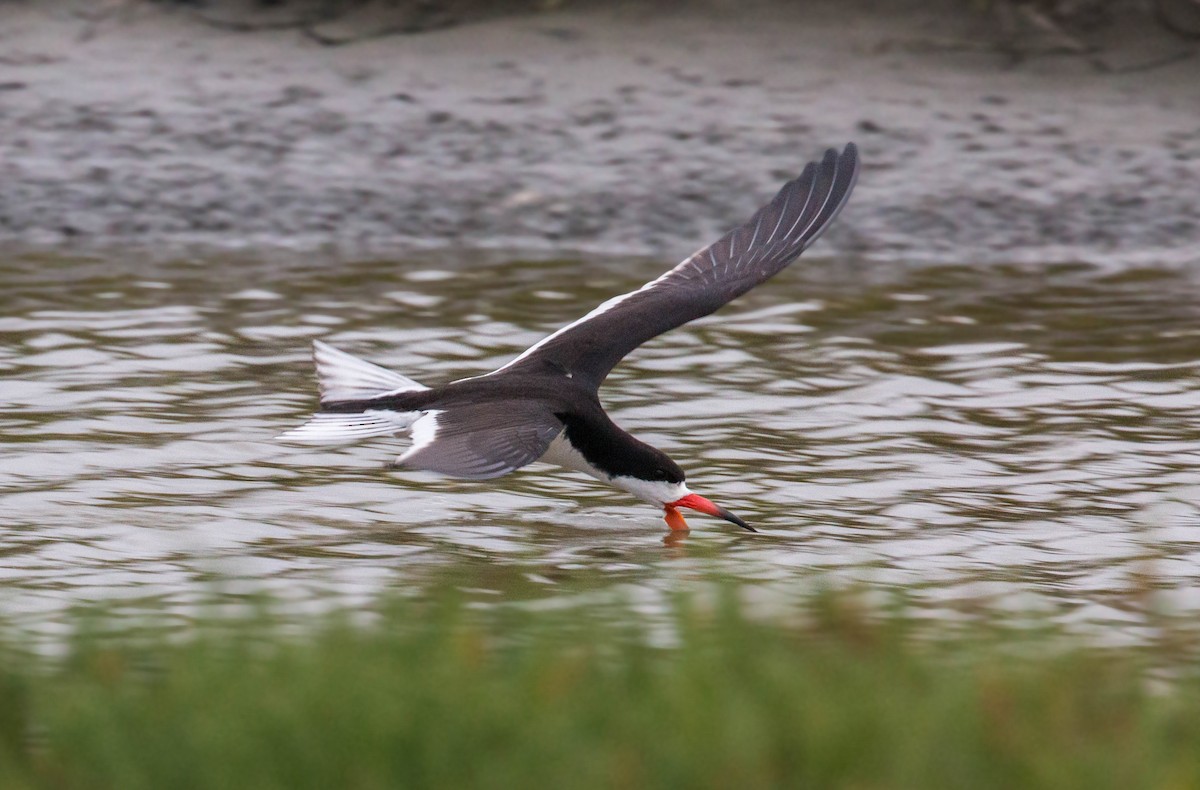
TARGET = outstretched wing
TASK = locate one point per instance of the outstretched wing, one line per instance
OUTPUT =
(741, 259)
(481, 440)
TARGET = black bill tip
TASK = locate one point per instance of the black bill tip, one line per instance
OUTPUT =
(725, 514)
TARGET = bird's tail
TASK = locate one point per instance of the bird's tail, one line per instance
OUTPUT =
(350, 389)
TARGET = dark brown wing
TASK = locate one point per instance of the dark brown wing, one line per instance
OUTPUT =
(741, 259)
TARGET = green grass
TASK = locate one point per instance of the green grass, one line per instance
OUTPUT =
(438, 694)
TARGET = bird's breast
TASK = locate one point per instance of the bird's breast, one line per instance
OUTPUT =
(562, 453)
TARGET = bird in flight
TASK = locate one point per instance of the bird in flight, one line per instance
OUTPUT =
(545, 405)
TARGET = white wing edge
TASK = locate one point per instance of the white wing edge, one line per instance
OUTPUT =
(336, 428)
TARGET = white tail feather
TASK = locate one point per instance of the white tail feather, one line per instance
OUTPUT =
(342, 377)
(331, 427)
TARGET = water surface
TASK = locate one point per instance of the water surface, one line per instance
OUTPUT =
(1017, 437)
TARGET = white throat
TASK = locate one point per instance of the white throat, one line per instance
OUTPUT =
(656, 492)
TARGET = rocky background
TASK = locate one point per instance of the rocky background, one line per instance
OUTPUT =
(996, 132)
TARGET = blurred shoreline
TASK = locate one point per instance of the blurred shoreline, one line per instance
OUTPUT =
(611, 130)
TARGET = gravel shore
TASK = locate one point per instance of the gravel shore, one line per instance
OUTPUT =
(614, 130)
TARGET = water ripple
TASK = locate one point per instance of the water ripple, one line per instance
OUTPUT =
(1025, 437)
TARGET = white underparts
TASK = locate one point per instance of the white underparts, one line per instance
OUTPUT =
(562, 453)
(657, 492)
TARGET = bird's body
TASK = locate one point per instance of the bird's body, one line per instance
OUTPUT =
(544, 405)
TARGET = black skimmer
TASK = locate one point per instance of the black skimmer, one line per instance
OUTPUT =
(544, 405)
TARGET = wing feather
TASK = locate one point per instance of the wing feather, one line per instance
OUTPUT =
(798, 214)
(481, 441)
